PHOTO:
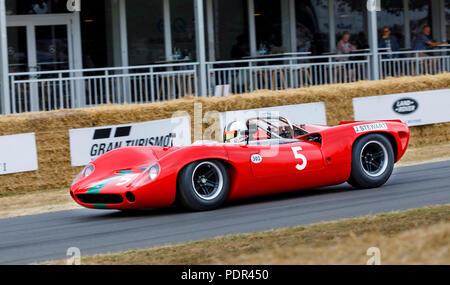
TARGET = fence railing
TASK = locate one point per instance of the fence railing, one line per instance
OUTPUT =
(414, 63)
(52, 90)
(242, 76)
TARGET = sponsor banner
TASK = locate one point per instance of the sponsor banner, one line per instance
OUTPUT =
(414, 109)
(90, 143)
(18, 153)
(312, 113)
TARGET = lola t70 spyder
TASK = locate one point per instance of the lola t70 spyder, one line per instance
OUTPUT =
(261, 156)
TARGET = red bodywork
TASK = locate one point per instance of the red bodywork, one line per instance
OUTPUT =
(328, 162)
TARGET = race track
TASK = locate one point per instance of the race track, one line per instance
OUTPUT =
(48, 236)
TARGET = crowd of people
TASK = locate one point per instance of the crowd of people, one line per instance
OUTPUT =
(390, 44)
(350, 47)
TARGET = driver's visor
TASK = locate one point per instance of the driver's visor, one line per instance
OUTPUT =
(230, 135)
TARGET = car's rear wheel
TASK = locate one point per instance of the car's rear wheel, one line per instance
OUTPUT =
(203, 185)
(372, 161)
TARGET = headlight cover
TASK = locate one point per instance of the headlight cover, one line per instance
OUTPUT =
(153, 171)
(86, 172)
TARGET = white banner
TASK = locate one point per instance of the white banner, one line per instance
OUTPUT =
(18, 153)
(311, 113)
(90, 143)
(414, 109)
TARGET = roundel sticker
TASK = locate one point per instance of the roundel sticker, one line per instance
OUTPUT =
(256, 158)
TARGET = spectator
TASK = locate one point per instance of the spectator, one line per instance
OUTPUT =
(344, 47)
(389, 42)
(423, 41)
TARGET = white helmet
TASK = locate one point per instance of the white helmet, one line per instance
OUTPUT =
(235, 132)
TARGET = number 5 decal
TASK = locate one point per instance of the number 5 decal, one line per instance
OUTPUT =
(298, 155)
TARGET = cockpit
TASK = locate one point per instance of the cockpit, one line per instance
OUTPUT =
(263, 131)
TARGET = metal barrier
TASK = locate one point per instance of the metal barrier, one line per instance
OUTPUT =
(414, 63)
(52, 90)
(287, 72)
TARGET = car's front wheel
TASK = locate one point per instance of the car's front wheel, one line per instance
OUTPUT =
(203, 185)
(372, 161)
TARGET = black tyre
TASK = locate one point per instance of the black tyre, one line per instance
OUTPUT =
(372, 162)
(203, 185)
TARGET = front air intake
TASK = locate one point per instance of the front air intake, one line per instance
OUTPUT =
(105, 199)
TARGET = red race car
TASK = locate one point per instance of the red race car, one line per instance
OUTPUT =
(260, 157)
